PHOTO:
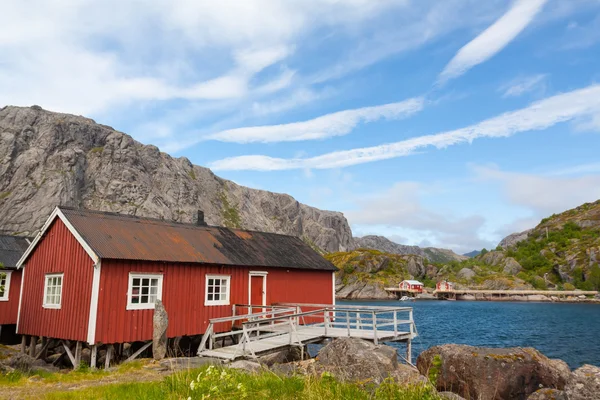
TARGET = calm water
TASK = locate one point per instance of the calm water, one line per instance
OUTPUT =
(570, 332)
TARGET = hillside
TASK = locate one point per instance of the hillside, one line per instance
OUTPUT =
(47, 159)
(385, 245)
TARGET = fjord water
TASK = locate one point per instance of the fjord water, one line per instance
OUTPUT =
(568, 331)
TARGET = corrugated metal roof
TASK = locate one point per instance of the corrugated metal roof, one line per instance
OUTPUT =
(412, 282)
(11, 249)
(118, 236)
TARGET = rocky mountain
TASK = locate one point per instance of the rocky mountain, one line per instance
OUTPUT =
(385, 245)
(514, 238)
(47, 159)
(364, 273)
(472, 253)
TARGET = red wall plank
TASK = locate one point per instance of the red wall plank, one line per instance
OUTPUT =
(9, 309)
(183, 296)
(57, 252)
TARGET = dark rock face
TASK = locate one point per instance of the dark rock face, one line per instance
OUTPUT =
(159, 334)
(489, 373)
(584, 384)
(49, 159)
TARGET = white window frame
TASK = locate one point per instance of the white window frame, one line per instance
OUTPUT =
(4, 297)
(62, 283)
(225, 302)
(141, 275)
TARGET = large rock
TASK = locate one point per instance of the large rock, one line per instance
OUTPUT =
(511, 266)
(492, 374)
(548, 394)
(466, 273)
(47, 159)
(584, 384)
(356, 360)
(513, 239)
(283, 356)
(493, 258)
(159, 335)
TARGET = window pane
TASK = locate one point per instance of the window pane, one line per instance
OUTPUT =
(57, 300)
(217, 289)
(210, 296)
(153, 290)
(152, 299)
(145, 290)
(144, 299)
(135, 299)
(145, 282)
(223, 282)
(210, 289)
(136, 281)
(154, 282)
(59, 280)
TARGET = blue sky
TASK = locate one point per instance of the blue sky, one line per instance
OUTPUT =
(445, 123)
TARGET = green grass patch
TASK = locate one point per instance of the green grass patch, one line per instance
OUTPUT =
(216, 383)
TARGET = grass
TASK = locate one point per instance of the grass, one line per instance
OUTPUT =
(216, 383)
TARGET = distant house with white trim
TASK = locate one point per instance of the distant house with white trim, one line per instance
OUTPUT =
(411, 286)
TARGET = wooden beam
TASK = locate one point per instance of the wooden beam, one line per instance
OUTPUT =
(68, 351)
(78, 346)
(137, 353)
(109, 352)
(93, 356)
(32, 345)
(45, 344)
(23, 343)
(59, 359)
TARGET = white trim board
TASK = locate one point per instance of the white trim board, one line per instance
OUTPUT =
(20, 300)
(93, 317)
(57, 213)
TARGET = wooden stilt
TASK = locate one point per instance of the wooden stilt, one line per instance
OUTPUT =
(23, 343)
(409, 351)
(93, 356)
(68, 351)
(109, 352)
(42, 353)
(32, 344)
(78, 346)
(137, 353)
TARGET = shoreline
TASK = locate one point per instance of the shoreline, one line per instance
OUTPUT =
(516, 299)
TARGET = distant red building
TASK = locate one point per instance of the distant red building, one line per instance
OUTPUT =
(444, 286)
(411, 286)
(94, 277)
(11, 249)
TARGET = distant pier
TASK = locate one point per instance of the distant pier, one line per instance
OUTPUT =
(455, 294)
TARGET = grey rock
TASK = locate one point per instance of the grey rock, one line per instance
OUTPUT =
(49, 159)
(493, 258)
(282, 356)
(548, 394)
(511, 266)
(450, 396)
(159, 333)
(584, 384)
(491, 373)
(187, 363)
(382, 243)
(415, 267)
(466, 273)
(512, 239)
(245, 365)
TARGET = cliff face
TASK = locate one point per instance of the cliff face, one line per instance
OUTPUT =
(47, 159)
(382, 243)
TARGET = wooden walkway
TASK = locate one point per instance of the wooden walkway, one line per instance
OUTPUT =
(263, 333)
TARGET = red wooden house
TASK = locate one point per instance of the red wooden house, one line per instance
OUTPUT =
(411, 286)
(94, 277)
(11, 249)
(444, 286)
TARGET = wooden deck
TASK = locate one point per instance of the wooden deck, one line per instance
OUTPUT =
(262, 333)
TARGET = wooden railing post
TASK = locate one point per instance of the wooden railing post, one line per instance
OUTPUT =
(326, 322)
(412, 322)
(348, 322)
(395, 323)
(375, 340)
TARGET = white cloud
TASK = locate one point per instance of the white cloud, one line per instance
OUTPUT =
(544, 195)
(538, 116)
(335, 124)
(401, 209)
(493, 39)
(524, 85)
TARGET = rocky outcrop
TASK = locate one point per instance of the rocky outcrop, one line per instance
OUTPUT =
(466, 273)
(49, 159)
(584, 384)
(514, 238)
(356, 360)
(382, 243)
(160, 323)
(489, 373)
(548, 394)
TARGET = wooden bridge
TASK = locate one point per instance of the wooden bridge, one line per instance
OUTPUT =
(287, 325)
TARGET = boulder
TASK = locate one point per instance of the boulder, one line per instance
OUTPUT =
(548, 394)
(415, 267)
(159, 334)
(584, 384)
(356, 360)
(511, 266)
(187, 363)
(490, 373)
(450, 396)
(431, 271)
(493, 258)
(245, 365)
(283, 356)
(466, 273)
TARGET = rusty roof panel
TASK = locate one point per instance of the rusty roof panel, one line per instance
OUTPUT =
(118, 236)
(11, 249)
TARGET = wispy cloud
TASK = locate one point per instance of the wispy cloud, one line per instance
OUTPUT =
(493, 39)
(539, 115)
(335, 124)
(523, 85)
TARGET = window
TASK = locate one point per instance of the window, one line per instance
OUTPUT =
(144, 290)
(217, 290)
(53, 291)
(4, 284)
